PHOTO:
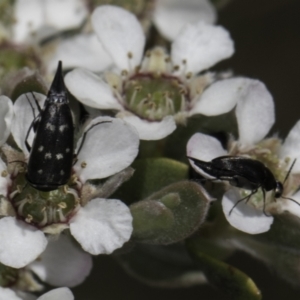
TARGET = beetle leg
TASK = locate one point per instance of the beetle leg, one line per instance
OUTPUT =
(84, 136)
(239, 201)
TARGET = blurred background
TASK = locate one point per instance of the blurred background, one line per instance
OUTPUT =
(267, 40)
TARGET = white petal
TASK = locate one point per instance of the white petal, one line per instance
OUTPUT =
(291, 146)
(244, 217)
(150, 130)
(20, 242)
(178, 13)
(23, 118)
(108, 148)
(291, 206)
(203, 147)
(8, 294)
(91, 90)
(4, 181)
(62, 293)
(28, 18)
(6, 116)
(63, 263)
(83, 51)
(102, 226)
(220, 97)
(200, 46)
(121, 35)
(254, 112)
(65, 14)
(44, 18)
(26, 296)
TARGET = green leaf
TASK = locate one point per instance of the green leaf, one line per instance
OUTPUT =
(171, 214)
(151, 175)
(285, 231)
(279, 248)
(236, 284)
(162, 266)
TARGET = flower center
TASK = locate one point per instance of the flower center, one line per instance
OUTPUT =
(153, 97)
(267, 153)
(8, 275)
(42, 208)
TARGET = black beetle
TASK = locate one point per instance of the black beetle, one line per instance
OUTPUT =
(242, 172)
(51, 155)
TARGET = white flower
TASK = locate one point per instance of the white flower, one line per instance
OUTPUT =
(255, 116)
(85, 51)
(100, 226)
(38, 19)
(62, 263)
(55, 294)
(154, 92)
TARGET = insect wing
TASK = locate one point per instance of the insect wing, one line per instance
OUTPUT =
(250, 169)
(51, 156)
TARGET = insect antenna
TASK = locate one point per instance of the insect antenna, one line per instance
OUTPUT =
(239, 201)
(289, 171)
(35, 118)
(285, 179)
(85, 133)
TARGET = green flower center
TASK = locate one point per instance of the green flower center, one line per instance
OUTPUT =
(8, 275)
(42, 208)
(154, 97)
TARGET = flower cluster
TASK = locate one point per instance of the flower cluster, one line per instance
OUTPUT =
(145, 112)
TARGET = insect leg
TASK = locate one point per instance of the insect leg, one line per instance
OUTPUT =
(33, 121)
(264, 207)
(239, 201)
(84, 136)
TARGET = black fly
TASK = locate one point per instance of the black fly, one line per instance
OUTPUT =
(51, 156)
(246, 173)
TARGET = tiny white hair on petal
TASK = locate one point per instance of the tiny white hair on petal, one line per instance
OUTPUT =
(8, 294)
(255, 112)
(83, 51)
(62, 263)
(178, 13)
(102, 226)
(200, 46)
(23, 117)
(220, 97)
(108, 148)
(121, 35)
(20, 243)
(6, 116)
(62, 293)
(244, 217)
(291, 146)
(91, 90)
(149, 130)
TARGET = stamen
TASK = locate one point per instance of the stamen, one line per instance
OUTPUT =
(61, 215)
(45, 219)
